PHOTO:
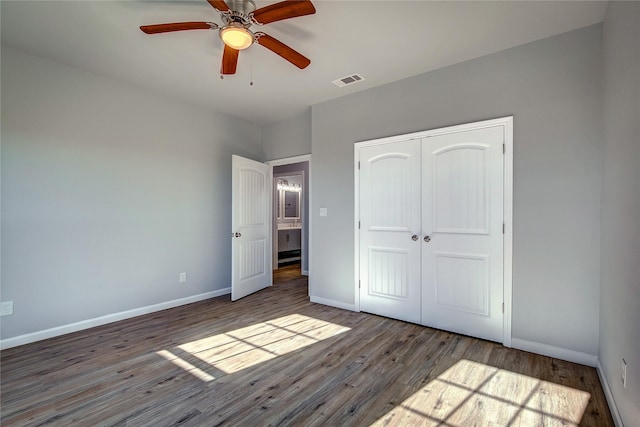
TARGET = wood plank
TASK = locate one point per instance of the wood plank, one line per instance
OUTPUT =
(274, 358)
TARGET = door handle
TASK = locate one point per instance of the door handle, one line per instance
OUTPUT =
(427, 239)
(237, 234)
(414, 237)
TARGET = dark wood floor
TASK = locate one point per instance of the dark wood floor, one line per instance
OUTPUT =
(274, 358)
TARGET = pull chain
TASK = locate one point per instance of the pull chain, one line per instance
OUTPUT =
(251, 70)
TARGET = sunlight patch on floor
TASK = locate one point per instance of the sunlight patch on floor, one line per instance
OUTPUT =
(471, 393)
(181, 363)
(245, 347)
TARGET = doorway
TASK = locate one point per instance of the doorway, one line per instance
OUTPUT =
(290, 226)
(288, 211)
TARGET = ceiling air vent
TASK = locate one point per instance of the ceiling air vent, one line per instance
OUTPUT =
(348, 80)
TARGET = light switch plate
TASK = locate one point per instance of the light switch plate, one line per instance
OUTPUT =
(323, 211)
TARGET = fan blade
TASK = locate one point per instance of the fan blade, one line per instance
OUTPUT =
(229, 60)
(283, 50)
(283, 10)
(177, 26)
(219, 5)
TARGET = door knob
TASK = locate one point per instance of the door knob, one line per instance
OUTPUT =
(238, 235)
(427, 239)
(414, 237)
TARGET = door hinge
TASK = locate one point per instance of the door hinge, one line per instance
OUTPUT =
(503, 228)
(503, 308)
(358, 165)
(358, 225)
(504, 148)
(359, 284)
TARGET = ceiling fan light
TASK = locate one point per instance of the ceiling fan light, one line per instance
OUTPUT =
(236, 36)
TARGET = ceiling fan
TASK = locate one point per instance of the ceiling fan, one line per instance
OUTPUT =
(237, 17)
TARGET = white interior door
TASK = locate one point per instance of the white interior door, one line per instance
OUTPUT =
(251, 227)
(462, 209)
(389, 204)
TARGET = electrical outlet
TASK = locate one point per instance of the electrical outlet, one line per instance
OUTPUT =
(6, 308)
(624, 373)
(183, 277)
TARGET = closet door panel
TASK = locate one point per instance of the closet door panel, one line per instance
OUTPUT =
(460, 189)
(462, 205)
(389, 203)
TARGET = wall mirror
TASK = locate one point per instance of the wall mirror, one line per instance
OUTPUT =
(291, 203)
(288, 206)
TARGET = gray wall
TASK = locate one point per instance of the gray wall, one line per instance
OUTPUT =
(620, 276)
(552, 87)
(108, 193)
(287, 138)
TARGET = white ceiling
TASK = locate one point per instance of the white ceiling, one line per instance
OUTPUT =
(384, 41)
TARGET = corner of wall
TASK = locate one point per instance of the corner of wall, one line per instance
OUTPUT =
(615, 414)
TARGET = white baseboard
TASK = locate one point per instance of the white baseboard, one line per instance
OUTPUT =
(332, 303)
(617, 419)
(109, 318)
(557, 352)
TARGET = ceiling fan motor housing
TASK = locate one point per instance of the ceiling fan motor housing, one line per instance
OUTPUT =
(239, 11)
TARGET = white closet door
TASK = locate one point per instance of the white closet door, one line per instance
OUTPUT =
(389, 204)
(251, 227)
(462, 209)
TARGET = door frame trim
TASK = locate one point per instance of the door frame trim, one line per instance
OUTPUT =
(507, 125)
